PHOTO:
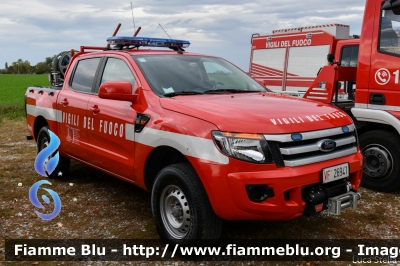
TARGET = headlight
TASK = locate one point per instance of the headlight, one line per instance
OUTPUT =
(247, 147)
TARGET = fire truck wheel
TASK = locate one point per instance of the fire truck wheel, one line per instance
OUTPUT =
(62, 167)
(181, 210)
(381, 151)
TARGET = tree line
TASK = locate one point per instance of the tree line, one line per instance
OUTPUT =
(24, 67)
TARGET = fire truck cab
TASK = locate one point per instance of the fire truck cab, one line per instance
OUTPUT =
(360, 75)
(288, 60)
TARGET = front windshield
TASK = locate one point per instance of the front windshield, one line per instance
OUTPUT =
(171, 75)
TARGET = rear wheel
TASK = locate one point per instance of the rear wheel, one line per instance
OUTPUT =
(43, 141)
(181, 210)
(381, 151)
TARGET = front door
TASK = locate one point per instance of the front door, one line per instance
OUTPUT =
(384, 89)
(111, 124)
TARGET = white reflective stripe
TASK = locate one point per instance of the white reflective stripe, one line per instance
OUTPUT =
(319, 93)
(376, 116)
(48, 113)
(361, 105)
(384, 107)
(310, 134)
(130, 132)
(274, 36)
(315, 97)
(377, 107)
(188, 145)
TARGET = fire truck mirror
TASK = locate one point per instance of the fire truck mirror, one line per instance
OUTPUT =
(391, 5)
(117, 90)
(338, 85)
(331, 58)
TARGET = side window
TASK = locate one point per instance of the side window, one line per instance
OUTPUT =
(223, 75)
(349, 56)
(389, 33)
(117, 69)
(84, 75)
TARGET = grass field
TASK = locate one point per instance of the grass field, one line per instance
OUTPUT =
(12, 91)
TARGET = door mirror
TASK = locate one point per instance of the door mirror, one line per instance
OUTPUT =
(117, 90)
(331, 58)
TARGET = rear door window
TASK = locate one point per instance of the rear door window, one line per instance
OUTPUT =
(84, 74)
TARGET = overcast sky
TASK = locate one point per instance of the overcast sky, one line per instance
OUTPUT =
(35, 29)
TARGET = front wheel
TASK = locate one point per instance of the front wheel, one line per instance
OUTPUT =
(381, 151)
(181, 210)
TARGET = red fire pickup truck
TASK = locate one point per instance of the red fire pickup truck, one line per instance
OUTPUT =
(204, 138)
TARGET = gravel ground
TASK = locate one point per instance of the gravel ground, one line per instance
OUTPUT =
(99, 206)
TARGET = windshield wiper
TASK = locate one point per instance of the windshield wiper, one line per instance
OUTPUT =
(227, 90)
(176, 93)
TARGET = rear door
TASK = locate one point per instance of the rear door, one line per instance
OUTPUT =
(111, 132)
(72, 102)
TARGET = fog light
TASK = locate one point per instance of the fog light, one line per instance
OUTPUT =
(258, 193)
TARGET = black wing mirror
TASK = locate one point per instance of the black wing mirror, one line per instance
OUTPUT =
(331, 58)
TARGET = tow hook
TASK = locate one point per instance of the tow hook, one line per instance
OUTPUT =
(342, 202)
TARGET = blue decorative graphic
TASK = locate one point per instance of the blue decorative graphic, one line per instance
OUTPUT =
(44, 164)
(35, 201)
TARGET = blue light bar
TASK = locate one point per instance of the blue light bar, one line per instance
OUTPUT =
(144, 41)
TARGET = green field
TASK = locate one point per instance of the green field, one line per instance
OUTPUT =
(12, 91)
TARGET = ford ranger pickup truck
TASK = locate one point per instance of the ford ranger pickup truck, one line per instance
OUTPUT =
(208, 141)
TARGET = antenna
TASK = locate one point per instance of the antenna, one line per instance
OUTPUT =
(115, 33)
(164, 30)
(133, 19)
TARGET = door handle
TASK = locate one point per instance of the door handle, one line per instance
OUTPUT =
(64, 102)
(377, 98)
(94, 109)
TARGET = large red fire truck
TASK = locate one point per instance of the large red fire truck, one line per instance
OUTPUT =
(207, 140)
(364, 80)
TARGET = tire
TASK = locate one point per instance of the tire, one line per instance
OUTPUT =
(381, 151)
(61, 61)
(63, 162)
(181, 210)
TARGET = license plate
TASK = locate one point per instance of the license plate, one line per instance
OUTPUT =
(335, 173)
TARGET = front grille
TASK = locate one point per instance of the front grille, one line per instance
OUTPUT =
(307, 151)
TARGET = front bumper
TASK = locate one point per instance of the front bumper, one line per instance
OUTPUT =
(230, 200)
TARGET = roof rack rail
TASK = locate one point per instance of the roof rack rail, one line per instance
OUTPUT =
(85, 48)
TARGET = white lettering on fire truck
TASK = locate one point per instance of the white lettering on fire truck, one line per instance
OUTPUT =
(106, 127)
(70, 119)
(310, 118)
(281, 44)
(111, 129)
(88, 123)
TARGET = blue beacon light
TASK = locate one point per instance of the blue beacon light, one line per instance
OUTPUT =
(145, 41)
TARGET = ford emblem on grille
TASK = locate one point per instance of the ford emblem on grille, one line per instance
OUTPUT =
(326, 145)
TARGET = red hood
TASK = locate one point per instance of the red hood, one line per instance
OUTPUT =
(266, 113)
